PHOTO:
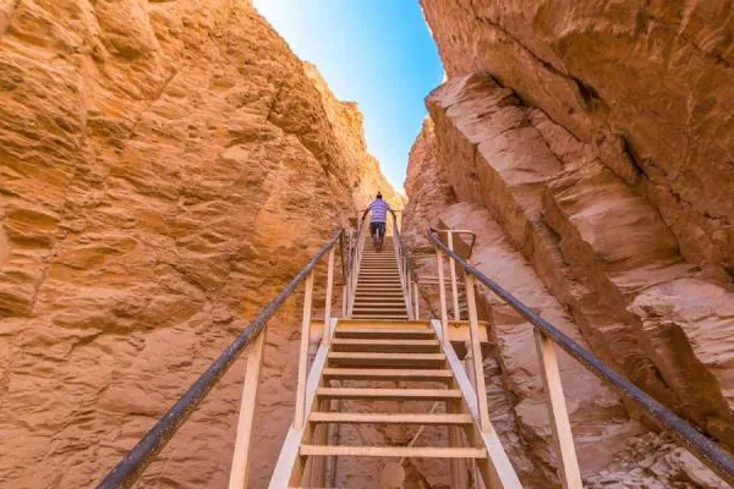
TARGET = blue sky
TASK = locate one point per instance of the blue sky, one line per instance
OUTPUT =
(378, 53)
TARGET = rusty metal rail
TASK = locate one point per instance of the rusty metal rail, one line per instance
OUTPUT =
(134, 463)
(706, 450)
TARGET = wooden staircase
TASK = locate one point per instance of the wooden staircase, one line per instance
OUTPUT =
(379, 344)
(380, 339)
(379, 293)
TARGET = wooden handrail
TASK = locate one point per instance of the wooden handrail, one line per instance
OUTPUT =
(706, 450)
(127, 471)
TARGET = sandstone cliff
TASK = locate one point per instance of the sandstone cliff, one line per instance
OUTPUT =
(165, 167)
(588, 145)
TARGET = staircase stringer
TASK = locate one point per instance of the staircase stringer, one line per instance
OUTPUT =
(496, 470)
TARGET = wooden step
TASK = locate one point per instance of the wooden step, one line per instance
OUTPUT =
(385, 333)
(386, 345)
(391, 418)
(390, 304)
(395, 291)
(376, 287)
(376, 310)
(417, 375)
(387, 360)
(396, 316)
(393, 452)
(390, 317)
(396, 299)
(373, 394)
(371, 310)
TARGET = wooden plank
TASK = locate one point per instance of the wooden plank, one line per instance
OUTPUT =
(442, 298)
(454, 284)
(393, 452)
(288, 457)
(240, 470)
(457, 466)
(385, 342)
(303, 354)
(329, 291)
(384, 301)
(391, 418)
(388, 374)
(562, 435)
(387, 345)
(385, 333)
(412, 357)
(354, 323)
(416, 300)
(500, 473)
(387, 394)
(476, 354)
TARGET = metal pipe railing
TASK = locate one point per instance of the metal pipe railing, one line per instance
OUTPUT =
(706, 450)
(127, 471)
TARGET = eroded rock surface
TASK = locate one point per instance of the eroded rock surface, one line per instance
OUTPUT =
(165, 167)
(614, 451)
(649, 84)
(598, 136)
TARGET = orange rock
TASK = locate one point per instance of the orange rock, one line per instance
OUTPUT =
(165, 168)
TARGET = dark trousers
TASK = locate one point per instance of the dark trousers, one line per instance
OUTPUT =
(377, 228)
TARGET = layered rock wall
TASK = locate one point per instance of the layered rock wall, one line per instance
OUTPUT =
(614, 450)
(591, 142)
(648, 84)
(165, 167)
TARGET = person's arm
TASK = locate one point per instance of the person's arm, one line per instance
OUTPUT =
(366, 211)
(391, 211)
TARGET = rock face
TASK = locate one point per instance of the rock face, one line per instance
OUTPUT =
(614, 450)
(648, 84)
(588, 146)
(165, 167)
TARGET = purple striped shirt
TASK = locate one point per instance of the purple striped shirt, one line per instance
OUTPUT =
(379, 210)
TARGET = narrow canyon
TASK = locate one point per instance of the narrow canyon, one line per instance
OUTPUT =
(167, 167)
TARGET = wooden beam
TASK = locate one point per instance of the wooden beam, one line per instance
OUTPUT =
(476, 354)
(562, 436)
(454, 284)
(387, 394)
(393, 452)
(329, 291)
(457, 466)
(240, 470)
(417, 301)
(442, 297)
(391, 418)
(388, 374)
(303, 354)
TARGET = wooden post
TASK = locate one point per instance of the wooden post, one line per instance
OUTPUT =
(240, 471)
(442, 296)
(417, 301)
(476, 353)
(562, 436)
(457, 466)
(327, 305)
(344, 299)
(452, 272)
(303, 356)
(320, 437)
